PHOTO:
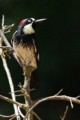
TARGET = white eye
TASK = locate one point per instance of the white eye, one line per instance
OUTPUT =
(29, 20)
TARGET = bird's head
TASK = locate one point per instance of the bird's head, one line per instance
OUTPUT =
(28, 26)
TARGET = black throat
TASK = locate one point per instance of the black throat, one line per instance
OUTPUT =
(24, 40)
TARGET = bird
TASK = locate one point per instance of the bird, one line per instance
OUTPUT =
(25, 47)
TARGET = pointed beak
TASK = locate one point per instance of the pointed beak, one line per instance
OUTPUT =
(36, 22)
(40, 20)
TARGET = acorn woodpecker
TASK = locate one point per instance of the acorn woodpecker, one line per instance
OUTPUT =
(24, 45)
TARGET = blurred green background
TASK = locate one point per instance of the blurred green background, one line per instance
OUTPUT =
(59, 46)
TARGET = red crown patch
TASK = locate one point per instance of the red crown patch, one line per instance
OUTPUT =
(22, 22)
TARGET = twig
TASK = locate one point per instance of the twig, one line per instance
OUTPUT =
(7, 116)
(20, 112)
(4, 38)
(8, 45)
(78, 96)
(36, 115)
(65, 113)
(10, 83)
(3, 23)
(8, 28)
(59, 97)
(17, 91)
(12, 117)
(8, 74)
(33, 102)
(23, 106)
(20, 95)
(71, 103)
(59, 92)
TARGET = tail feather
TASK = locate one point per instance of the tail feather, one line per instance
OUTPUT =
(34, 83)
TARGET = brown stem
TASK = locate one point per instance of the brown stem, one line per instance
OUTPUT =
(27, 97)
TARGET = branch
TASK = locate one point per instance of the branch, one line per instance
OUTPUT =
(10, 84)
(27, 98)
(7, 116)
(8, 73)
(4, 37)
(8, 44)
(38, 118)
(21, 114)
(65, 113)
(25, 89)
(59, 97)
(23, 106)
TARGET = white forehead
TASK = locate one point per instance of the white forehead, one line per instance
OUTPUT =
(33, 19)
